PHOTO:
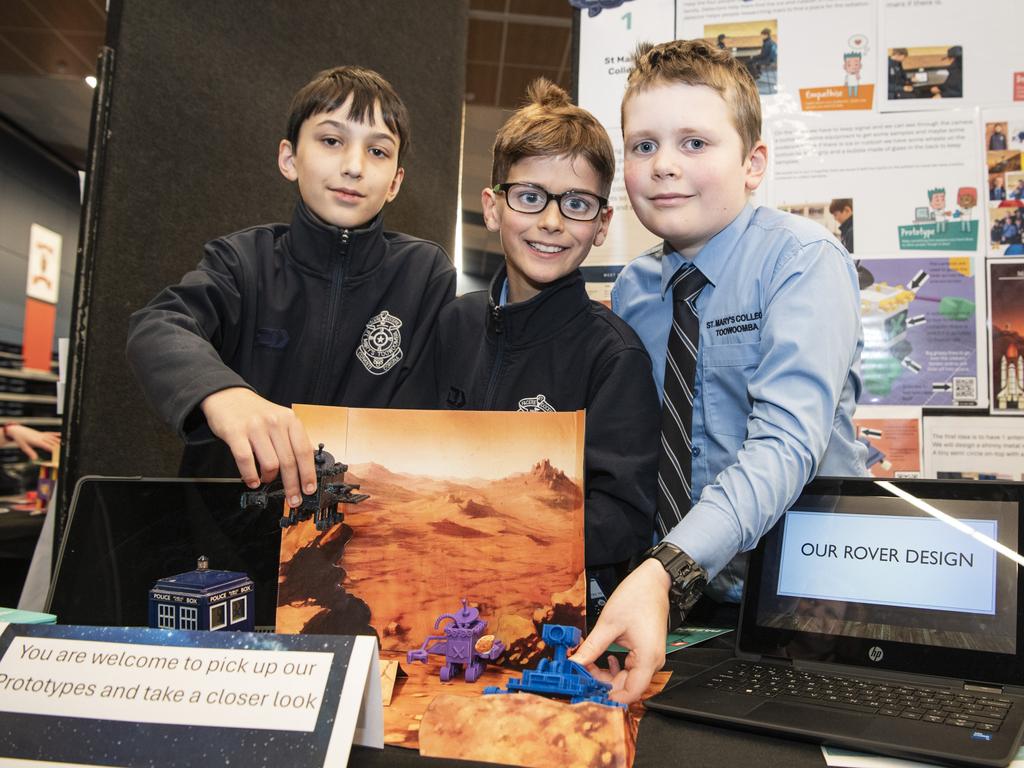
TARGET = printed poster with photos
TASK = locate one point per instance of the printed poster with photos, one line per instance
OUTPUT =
(1003, 145)
(802, 54)
(883, 184)
(1006, 335)
(943, 54)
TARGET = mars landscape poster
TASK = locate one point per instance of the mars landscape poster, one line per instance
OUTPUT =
(481, 506)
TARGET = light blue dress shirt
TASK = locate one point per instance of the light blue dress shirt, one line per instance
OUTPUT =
(777, 376)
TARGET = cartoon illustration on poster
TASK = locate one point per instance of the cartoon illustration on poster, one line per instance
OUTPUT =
(945, 224)
(852, 93)
(1006, 329)
(920, 332)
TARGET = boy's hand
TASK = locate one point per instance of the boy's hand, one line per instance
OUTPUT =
(635, 617)
(258, 431)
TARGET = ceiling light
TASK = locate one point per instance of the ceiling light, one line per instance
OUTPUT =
(90, 80)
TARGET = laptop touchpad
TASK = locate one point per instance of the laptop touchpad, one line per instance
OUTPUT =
(800, 717)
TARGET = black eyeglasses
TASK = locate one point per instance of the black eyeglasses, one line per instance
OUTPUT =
(529, 198)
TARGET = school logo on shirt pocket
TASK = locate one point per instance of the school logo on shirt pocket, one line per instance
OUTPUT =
(742, 322)
(539, 403)
(381, 345)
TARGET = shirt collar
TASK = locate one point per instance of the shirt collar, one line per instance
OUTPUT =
(713, 257)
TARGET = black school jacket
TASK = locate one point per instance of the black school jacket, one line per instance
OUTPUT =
(560, 351)
(306, 313)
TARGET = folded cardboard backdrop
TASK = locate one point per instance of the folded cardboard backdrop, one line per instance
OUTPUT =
(192, 103)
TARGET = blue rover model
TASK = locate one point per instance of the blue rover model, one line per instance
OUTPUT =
(559, 676)
(203, 599)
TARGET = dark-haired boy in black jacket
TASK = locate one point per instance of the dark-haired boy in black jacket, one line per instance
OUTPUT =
(329, 310)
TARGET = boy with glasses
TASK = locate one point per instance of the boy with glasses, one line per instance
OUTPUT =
(536, 342)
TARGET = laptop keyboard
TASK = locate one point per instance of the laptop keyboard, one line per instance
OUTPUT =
(930, 705)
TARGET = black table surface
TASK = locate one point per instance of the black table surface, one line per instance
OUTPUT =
(19, 530)
(662, 741)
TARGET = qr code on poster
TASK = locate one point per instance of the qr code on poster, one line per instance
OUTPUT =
(965, 389)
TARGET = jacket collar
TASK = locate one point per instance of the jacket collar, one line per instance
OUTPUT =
(316, 245)
(539, 318)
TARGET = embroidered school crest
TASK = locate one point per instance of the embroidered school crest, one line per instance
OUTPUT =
(381, 345)
(538, 403)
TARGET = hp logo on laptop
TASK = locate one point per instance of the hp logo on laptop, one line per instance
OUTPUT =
(875, 653)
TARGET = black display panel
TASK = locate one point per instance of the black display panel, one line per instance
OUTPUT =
(911, 575)
(125, 533)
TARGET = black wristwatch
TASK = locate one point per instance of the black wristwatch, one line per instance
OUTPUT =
(688, 580)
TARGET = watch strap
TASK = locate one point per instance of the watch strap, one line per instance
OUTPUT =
(688, 579)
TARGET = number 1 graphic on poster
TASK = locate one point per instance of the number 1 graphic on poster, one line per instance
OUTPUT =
(628, 17)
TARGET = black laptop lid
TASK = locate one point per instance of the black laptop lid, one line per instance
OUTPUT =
(913, 576)
(125, 533)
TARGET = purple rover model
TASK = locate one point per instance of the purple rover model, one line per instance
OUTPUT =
(463, 645)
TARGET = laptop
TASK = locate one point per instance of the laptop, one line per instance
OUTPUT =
(882, 616)
(123, 534)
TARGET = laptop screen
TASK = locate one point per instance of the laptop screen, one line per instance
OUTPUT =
(900, 574)
(123, 534)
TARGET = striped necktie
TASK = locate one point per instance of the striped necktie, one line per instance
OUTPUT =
(677, 406)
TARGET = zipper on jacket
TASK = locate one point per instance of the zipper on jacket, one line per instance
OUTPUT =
(337, 280)
(499, 331)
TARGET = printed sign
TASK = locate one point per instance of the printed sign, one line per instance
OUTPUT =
(108, 695)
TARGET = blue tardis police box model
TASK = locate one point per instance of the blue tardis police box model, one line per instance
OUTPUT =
(203, 599)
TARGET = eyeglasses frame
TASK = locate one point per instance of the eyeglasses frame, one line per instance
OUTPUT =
(506, 186)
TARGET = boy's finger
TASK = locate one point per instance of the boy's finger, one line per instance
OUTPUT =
(241, 451)
(637, 680)
(266, 455)
(600, 674)
(287, 465)
(614, 667)
(304, 455)
(595, 644)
